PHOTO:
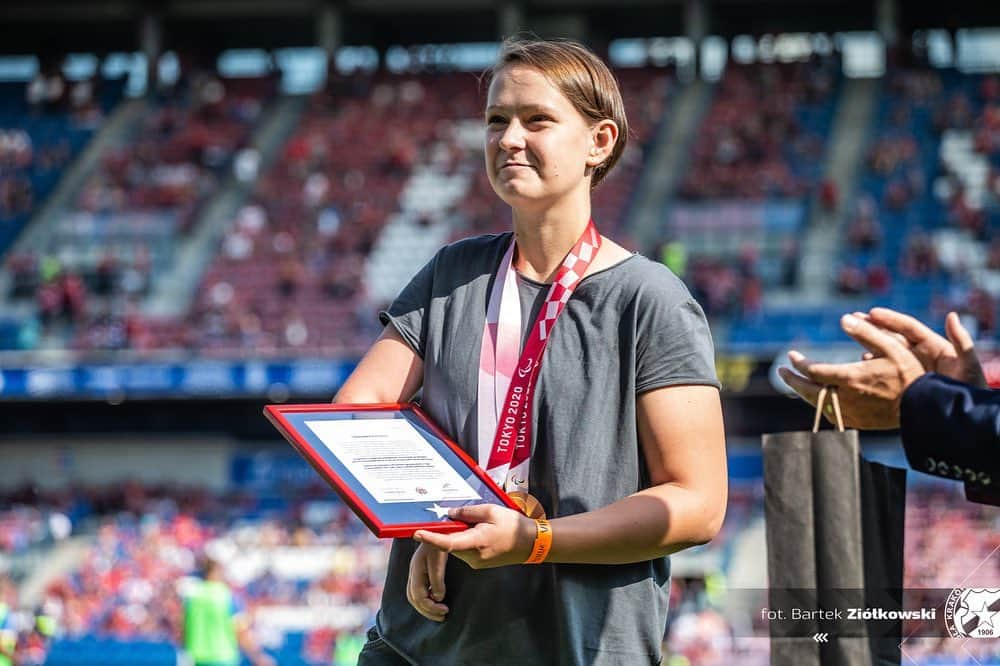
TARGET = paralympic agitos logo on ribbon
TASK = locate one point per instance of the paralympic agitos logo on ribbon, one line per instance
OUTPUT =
(973, 613)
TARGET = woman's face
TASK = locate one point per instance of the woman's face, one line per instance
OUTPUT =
(538, 146)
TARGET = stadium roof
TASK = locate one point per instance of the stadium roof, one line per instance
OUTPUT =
(102, 26)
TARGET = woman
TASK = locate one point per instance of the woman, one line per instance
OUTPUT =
(620, 409)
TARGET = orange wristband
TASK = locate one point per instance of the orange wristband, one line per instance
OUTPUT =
(543, 542)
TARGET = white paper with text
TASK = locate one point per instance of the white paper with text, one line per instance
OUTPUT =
(392, 460)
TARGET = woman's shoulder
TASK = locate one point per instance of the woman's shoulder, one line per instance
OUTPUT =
(649, 279)
(474, 250)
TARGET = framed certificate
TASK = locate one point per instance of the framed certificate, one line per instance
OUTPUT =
(389, 462)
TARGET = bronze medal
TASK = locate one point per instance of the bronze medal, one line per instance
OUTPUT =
(528, 504)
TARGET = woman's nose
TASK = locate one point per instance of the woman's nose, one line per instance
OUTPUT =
(512, 137)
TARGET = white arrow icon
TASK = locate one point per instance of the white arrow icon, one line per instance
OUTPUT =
(821, 638)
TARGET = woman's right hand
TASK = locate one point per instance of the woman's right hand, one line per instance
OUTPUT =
(425, 586)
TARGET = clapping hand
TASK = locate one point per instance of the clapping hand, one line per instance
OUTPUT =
(954, 357)
(870, 390)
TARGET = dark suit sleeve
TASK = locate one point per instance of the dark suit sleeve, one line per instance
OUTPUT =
(951, 429)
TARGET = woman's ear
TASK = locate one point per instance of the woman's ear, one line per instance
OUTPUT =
(604, 136)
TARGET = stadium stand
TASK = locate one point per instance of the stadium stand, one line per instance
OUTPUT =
(133, 212)
(289, 275)
(889, 247)
(94, 269)
(919, 235)
(43, 126)
(755, 164)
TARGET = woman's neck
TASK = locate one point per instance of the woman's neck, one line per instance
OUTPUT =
(544, 240)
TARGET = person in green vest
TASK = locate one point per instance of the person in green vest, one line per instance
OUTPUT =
(348, 647)
(8, 636)
(673, 255)
(215, 627)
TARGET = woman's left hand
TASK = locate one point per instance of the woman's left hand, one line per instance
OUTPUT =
(499, 536)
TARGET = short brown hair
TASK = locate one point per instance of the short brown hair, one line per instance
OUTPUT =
(581, 76)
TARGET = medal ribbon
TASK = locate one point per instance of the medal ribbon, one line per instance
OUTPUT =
(506, 379)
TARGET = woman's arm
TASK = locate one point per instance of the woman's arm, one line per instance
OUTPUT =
(389, 372)
(681, 433)
(392, 372)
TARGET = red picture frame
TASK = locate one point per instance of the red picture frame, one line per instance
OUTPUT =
(281, 416)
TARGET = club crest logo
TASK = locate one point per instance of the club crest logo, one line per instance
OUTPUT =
(973, 613)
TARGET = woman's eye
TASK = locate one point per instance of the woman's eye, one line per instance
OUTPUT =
(492, 120)
(538, 119)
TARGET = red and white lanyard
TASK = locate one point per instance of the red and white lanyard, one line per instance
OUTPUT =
(507, 379)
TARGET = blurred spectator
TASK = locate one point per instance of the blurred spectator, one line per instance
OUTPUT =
(851, 281)
(993, 254)
(291, 275)
(829, 197)
(879, 279)
(296, 332)
(214, 625)
(789, 263)
(8, 634)
(45, 92)
(864, 231)
(347, 648)
(673, 255)
(982, 307)
(919, 257)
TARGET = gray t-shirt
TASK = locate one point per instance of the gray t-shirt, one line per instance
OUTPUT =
(627, 329)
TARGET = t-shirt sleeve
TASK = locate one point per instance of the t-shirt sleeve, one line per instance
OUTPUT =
(407, 312)
(674, 346)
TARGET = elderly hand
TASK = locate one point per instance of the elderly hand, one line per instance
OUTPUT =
(499, 536)
(869, 390)
(953, 357)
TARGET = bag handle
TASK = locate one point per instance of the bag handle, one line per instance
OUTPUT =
(831, 393)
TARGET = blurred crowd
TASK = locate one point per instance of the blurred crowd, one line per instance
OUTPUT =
(180, 152)
(763, 140)
(305, 556)
(36, 130)
(133, 210)
(290, 270)
(307, 553)
(752, 144)
(289, 273)
(917, 202)
(49, 92)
